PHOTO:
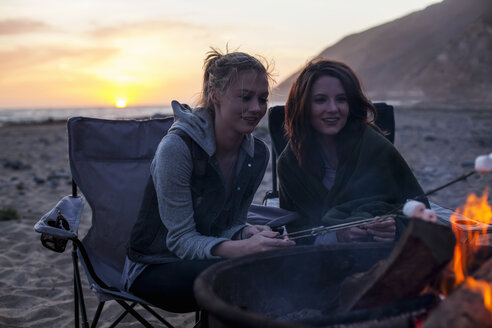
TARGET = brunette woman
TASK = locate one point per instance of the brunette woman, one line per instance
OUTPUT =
(338, 166)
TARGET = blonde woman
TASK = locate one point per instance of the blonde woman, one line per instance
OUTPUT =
(204, 175)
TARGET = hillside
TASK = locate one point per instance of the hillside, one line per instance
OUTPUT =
(441, 55)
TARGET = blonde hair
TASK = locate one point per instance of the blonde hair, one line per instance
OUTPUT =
(221, 70)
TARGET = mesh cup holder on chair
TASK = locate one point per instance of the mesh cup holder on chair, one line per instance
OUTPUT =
(51, 242)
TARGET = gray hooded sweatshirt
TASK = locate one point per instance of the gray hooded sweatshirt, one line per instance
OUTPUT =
(171, 171)
(172, 174)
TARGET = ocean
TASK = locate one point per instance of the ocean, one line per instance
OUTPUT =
(26, 116)
(40, 115)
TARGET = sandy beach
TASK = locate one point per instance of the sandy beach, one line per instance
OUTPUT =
(36, 284)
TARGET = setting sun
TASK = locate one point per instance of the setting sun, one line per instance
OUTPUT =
(120, 103)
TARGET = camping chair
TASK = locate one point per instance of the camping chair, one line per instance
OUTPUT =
(276, 116)
(110, 163)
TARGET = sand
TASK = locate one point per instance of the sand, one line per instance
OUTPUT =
(36, 284)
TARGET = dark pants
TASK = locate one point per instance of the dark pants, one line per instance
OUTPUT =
(170, 285)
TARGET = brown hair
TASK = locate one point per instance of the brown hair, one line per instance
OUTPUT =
(221, 70)
(298, 107)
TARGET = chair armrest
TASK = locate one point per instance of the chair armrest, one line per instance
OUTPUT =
(272, 216)
(63, 220)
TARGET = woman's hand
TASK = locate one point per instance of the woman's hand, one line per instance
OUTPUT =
(251, 230)
(354, 234)
(258, 242)
(383, 231)
(266, 240)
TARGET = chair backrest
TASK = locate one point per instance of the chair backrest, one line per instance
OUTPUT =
(276, 117)
(110, 163)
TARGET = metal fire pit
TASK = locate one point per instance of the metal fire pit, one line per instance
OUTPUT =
(292, 287)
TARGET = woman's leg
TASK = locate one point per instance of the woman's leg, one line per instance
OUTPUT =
(170, 286)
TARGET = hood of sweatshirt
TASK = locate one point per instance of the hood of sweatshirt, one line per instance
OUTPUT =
(199, 125)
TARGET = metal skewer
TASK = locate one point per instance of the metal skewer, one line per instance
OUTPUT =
(463, 177)
(313, 232)
(430, 192)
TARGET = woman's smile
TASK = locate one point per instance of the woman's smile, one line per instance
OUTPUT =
(331, 120)
(329, 106)
(252, 120)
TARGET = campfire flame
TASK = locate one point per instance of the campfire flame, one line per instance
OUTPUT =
(482, 287)
(470, 223)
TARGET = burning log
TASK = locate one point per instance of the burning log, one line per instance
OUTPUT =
(420, 254)
(469, 305)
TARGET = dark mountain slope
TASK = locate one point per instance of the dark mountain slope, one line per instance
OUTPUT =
(442, 54)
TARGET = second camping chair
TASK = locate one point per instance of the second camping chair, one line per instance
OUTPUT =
(110, 163)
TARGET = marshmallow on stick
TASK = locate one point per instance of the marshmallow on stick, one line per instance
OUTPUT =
(429, 215)
(414, 209)
(483, 164)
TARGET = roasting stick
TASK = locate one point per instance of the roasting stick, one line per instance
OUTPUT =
(313, 232)
(430, 192)
(483, 164)
(463, 177)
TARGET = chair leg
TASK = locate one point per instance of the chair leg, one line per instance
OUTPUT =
(157, 316)
(75, 301)
(121, 316)
(78, 288)
(201, 320)
(97, 315)
(134, 313)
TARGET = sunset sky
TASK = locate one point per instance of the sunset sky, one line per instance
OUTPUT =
(59, 53)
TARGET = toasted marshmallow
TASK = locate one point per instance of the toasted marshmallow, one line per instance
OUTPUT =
(414, 209)
(483, 164)
(429, 215)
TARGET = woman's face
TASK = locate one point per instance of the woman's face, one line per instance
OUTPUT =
(329, 106)
(243, 103)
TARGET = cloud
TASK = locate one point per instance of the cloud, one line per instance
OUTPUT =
(144, 27)
(23, 58)
(22, 26)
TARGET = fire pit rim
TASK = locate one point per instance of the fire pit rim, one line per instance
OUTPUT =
(220, 309)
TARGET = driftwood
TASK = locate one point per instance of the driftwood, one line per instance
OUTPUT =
(420, 254)
(464, 307)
